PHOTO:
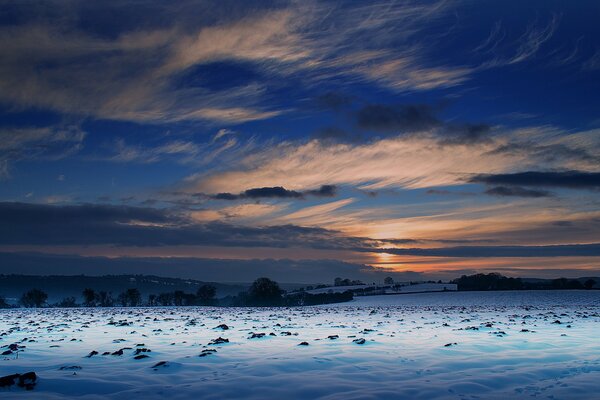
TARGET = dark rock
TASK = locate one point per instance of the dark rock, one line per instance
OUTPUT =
(160, 364)
(8, 380)
(222, 327)
(92, 353)
(27, 380)
(303, 344)
(140, 356)
(207, 352)
(359, 341)
(219, 340)
(256, 335)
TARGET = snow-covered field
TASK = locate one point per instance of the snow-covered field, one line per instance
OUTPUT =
(416, 346)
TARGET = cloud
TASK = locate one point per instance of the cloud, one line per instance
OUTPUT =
(333, 100)
(141, 69)
(206, 269)
(85, 226)
(516, 191)
(404, 161)
(414, 118)
(90, 224)
(549, 145)
(128, 75)
(316, 215)
(277, 192)
(179, 150)
(563, 179)
(534, 38)
(571, 250)
(403, 118)
(49, 143)
(508, 51)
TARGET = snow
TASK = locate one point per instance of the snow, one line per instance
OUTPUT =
(405, 354)
(405, 288)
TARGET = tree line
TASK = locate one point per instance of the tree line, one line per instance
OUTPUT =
(495, 281)
(262, 293)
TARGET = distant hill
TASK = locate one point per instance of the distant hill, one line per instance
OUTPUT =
(59, 287)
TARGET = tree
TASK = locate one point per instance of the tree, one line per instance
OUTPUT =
(165, 299)
(130, 298)
(589, 283)
(104, 299)
(68, 302)
(34, 298)
(388, 280)
(89, 297)
(152, 300)
(178, 297)
(492, 281)
(3, 303)
(265, 292)
(206, 295)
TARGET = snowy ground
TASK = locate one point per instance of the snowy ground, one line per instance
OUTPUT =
(417, 346)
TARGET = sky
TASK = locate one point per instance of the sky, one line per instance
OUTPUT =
(302, 140)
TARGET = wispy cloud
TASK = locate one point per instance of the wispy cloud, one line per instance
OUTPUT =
(50, 143)
(501, 50)
(130, 74)
(178, 150)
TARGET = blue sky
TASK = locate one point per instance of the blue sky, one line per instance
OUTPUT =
(372, 130)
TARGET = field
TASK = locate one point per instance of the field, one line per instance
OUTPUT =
(466, 345)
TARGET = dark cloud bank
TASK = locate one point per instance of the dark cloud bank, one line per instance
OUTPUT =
(277, 192)
(506, 191)
(401, 119)
(561, 179)
(92, 224)
(214, 270)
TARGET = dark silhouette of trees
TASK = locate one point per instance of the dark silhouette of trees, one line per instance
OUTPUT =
(3, 303)
(205, 295)
(589, 284)
(491, 281)
(564, 283)
(165, 299)
(152, 300)
(68, 302)
(100, 299)
(496, 281)
(307, 299)
(178, 297)
(34, 298)
(104, 299)
(388, 280)
(130, 298)
(346, 282)
(89, 297)
(264, 292)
